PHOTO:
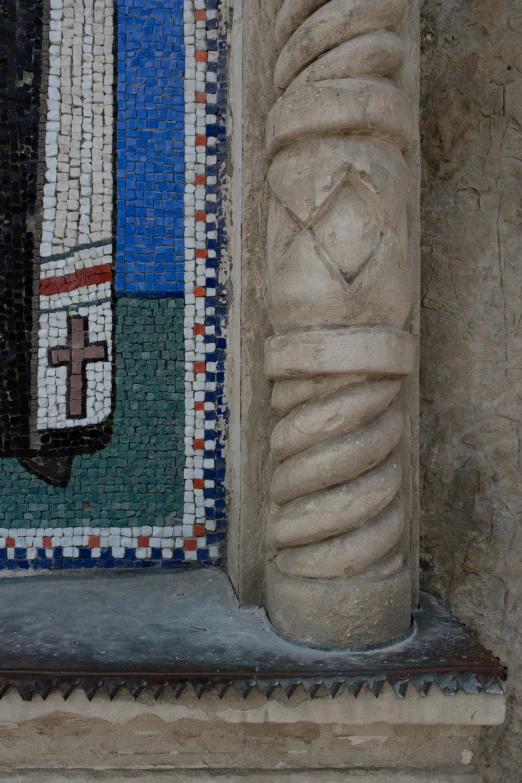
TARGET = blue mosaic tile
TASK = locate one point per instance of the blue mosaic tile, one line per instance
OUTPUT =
(150, 148)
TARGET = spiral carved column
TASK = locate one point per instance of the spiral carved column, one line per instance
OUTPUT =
(340, 296)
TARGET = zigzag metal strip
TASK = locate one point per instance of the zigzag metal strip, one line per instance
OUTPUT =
(449, 683)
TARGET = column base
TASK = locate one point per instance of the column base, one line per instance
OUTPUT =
(340, 612)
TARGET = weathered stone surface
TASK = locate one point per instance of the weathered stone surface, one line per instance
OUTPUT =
(316, 27)
(213, 776)
(239, 740)
(378, 53)
(311, 609)
(253, 53)
(471, 345)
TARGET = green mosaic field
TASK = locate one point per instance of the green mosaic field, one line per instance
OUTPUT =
(138, 478)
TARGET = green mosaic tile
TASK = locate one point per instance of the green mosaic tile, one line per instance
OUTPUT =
(138, 478)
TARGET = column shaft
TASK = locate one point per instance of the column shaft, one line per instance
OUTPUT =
(341, 292)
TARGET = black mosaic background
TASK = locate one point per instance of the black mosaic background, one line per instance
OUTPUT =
(20, 81)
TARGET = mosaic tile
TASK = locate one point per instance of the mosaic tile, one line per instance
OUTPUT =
(112, 390)
(150, 250)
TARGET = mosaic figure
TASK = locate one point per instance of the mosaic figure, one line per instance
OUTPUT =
(112, 284)
(58, 299)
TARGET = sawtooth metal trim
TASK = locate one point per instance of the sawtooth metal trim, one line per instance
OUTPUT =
(449, 683)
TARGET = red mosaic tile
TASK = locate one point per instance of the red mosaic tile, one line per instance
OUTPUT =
(201, 56)
(93, 275)
(191, 545)
(143, 541)
(47, 542)
(94, 542)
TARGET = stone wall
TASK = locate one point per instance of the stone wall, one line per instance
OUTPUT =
(471, 377)
(364, 740)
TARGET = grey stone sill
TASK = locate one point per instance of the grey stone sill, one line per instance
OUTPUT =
(161, 632)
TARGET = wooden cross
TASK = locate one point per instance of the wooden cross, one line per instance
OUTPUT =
(76, 356)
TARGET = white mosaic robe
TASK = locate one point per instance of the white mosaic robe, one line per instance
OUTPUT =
(76, 250)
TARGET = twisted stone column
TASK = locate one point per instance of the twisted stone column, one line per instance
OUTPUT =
(340, 294)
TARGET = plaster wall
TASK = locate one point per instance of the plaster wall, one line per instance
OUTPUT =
(471, 340)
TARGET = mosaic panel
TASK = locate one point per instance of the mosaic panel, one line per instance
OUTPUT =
(112, 283)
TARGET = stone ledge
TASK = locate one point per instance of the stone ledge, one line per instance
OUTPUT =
(164, 632)
(296, 740)
(245, 776)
